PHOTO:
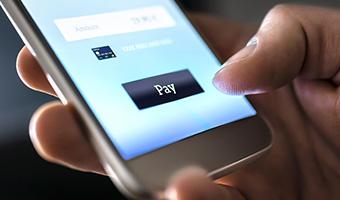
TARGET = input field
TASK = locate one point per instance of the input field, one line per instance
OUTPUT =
(121, 22)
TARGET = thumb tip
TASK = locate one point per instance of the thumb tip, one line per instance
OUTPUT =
(235, 79)
(237, 88)
(228, 85)
(243, 73)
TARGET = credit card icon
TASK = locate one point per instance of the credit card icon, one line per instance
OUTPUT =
(104, 53)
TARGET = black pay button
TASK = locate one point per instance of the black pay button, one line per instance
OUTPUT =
(163, 89)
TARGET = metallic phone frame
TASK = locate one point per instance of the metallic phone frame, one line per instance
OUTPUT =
(132, 177)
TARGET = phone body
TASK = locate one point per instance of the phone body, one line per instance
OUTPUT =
(139, 75)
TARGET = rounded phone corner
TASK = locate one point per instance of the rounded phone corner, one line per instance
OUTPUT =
(263, 149)
(127, 187)
(229, 169)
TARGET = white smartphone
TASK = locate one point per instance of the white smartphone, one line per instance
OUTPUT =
(140, 76)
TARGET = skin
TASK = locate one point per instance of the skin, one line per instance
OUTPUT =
(292, 76)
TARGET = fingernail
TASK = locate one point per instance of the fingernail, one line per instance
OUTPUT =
(245, 52)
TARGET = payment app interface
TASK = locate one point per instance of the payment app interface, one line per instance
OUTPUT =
(141, 67)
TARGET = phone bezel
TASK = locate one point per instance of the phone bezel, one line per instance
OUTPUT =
(134, 173)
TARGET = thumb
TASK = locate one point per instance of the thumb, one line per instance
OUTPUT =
(194, 184)
(292, 40)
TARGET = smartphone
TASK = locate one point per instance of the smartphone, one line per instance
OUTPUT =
(139, 75)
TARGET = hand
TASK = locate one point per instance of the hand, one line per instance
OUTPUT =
(292, 71)
(54, 130)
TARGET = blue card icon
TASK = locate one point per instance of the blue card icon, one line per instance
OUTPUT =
(104, 53)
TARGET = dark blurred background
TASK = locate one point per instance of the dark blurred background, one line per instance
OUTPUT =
(23, 174)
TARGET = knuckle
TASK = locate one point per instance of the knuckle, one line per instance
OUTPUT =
(281, 13)
(292, 11)
(281, 9)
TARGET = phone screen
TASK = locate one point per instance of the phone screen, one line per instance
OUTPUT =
(141, 67)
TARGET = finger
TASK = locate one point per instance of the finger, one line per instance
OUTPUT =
(320, 101)
(31, 73)
(58, 138)
(292, 40)
(336, 79)
(193, 184)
